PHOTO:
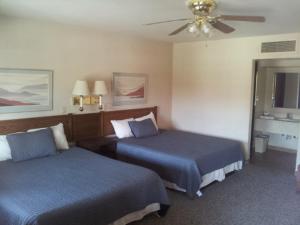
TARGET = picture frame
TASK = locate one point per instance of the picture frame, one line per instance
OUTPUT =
(25, 90)
(129, 89)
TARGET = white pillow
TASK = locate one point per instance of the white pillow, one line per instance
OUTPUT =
(149, 116)
(5, 152)
(122, 128)
(59, 136)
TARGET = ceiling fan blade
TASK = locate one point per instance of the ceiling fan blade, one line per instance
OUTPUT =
(167, 21)
(180, 29)
(223, 27)
(243, 18)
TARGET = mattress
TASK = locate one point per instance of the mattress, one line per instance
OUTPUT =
(73, 188)
(181, 157)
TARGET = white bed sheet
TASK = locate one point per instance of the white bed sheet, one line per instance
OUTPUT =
(217, 175)
(138, 215)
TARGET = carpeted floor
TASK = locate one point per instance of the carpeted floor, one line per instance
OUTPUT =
(263, 193)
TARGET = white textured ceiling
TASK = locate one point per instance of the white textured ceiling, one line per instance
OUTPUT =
(128, 15)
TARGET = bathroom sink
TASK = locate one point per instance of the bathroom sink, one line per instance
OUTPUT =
(284, 119)
(288, 120)
(267, 117)
(279, 119)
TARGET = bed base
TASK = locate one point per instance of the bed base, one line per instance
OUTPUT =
(217, 175)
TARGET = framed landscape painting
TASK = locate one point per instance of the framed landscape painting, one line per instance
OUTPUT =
(23, 90)
(129, 89)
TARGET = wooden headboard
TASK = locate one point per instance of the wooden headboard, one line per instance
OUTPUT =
(21, 125)
(77, 126)
(107, 116)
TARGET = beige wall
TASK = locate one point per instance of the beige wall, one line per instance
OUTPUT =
(211, 80)
(212, 83)
(81, 53)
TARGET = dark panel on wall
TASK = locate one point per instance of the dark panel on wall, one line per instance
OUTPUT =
(86, 126)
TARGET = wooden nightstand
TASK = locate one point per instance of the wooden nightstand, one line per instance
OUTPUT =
(100, 145)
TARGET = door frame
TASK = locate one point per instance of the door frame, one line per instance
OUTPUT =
(255, 67)
(252, 107)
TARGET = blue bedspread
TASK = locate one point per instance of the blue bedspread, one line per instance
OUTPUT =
(75, 187)
(181, 157)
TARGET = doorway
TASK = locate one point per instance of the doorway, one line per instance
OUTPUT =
(276, 109)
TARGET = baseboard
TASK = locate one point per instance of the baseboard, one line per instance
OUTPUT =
(275, 148)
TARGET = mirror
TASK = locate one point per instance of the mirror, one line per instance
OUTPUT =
(286, 90)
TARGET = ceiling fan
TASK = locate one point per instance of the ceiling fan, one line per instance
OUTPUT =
(205, 20)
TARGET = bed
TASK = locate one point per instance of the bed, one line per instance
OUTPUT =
(185, 161)
(76, 187)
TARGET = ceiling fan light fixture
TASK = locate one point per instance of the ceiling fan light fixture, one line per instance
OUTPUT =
(193, 28)
(200, 27)
(205, 28)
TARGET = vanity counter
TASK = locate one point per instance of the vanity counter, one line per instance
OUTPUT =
(278, 126)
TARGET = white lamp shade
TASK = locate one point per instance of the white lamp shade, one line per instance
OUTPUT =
(100, 88)
(81, 88)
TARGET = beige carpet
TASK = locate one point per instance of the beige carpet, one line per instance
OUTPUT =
(263, 193)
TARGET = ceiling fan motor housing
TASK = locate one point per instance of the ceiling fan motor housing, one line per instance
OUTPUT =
(201, 7)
